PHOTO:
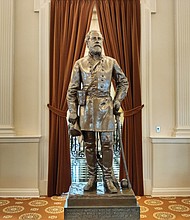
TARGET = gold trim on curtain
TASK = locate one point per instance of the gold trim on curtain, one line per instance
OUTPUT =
(120, 25)
(69, 23)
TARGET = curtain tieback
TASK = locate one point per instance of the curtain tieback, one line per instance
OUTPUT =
(133, 111)
(57, 111)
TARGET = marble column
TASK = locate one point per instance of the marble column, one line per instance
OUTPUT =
(182, 68)
(6, 67)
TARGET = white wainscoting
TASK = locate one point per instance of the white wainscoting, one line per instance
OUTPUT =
(19, 166)
(171, 166)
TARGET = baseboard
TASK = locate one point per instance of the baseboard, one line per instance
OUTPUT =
(19, 192)
(43, 187)
(171, 192)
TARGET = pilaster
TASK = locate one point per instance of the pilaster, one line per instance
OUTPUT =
(36, 5)
(44, 31)
(146, 10)
(182, 68)
(6, 67)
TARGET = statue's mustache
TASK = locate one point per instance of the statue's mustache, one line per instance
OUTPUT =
(97, 45)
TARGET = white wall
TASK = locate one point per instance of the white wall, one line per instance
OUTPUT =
(163, 72)
(19, 153)
(171, 168)
(170, 160)
(19, 169)
(26, 74)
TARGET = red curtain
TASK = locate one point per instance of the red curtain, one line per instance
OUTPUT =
(119, 22)
(70, 21)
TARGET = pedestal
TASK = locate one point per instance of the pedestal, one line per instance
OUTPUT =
(99, 205)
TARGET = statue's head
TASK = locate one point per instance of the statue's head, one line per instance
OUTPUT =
(94, 42)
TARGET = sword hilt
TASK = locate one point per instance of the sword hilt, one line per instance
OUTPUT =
(116, 113)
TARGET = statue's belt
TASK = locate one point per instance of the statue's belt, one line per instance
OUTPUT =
(98, 94)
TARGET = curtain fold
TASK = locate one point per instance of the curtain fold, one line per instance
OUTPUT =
(119, 22)
(69, 23)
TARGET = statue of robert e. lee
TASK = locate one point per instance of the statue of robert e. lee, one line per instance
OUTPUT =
(91, 82)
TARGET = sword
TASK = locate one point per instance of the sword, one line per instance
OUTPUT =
(125, 183)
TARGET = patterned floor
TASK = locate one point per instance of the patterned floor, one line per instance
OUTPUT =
(45, 208)
(164, 208)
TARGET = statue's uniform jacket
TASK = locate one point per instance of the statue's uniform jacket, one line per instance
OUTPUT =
(95, 77)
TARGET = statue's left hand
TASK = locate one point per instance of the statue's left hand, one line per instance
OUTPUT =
(73, 118)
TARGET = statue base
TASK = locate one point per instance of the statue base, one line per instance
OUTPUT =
(99, 205)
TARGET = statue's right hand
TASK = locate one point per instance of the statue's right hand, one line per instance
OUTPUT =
(116, 106)
(73, 118)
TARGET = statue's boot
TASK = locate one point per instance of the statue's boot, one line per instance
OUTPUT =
(114, 179)
(90, 150)
(107, 160)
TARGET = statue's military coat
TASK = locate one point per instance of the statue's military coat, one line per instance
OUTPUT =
(95, 77)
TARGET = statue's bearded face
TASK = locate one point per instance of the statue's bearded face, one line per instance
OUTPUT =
(95, 43)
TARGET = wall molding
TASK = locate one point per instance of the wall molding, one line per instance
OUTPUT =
(38, 4)
(146, 95)
(170, 140)
(20, 139)
(183, 191)
(153, 6)
(19, 192)
(182, 132)
(43, 8)
(44, 32)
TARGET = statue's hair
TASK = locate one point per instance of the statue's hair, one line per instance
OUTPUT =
(89, 33)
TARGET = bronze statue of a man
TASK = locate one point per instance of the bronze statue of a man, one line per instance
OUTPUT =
(92, 75)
